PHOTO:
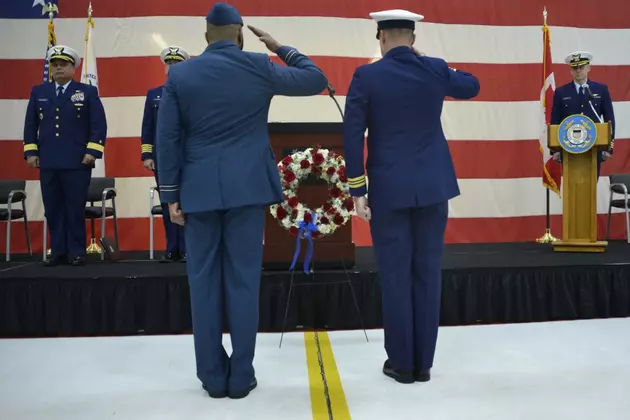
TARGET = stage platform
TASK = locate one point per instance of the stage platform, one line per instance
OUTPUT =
(482, 284)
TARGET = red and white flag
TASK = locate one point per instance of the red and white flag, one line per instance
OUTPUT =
(552, 170)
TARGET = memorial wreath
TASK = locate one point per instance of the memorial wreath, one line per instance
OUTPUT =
(295, 216)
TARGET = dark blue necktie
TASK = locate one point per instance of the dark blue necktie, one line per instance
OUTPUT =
(59, 91)
(581, 93)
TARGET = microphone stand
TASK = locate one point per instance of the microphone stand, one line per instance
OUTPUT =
(590, 96)
(331, 93)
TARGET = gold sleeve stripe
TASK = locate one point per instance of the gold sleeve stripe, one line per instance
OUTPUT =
(96, 146)
(360, 181)
(357, 182)
(359, 185)
(147, 148)
(30, 147)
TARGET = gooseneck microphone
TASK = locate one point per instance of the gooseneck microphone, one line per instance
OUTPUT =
(590, 96)
(331, 93)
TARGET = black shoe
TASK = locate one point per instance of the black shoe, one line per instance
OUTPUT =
(77, 261)
(422, 375)
(214, 394)
(170, 257)
(183, 258)
(398, 375)
(235, 395)
(55, 261)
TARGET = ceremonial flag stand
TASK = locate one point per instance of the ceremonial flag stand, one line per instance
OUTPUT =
(551, 169)
(89, 76)
(51, 41)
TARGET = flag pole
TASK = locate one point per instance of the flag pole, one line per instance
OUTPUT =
(93, 248)
(51, 9)
(88, 24)
(547, 237)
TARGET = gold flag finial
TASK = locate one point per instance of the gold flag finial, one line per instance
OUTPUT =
(51, 9)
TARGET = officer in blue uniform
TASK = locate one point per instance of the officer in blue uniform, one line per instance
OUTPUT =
(224, 184)
(399, 100)
(573, 98)
(175, 241)
(64, 133)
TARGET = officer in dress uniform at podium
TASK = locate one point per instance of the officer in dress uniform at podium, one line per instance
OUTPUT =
(399, 99)
(175, 241)
(64, 133)
(573, 98)
(222, 188)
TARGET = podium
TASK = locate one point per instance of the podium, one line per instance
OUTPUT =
(579, 139)
(336, 251)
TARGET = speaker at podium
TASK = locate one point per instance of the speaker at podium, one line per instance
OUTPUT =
(579, 139)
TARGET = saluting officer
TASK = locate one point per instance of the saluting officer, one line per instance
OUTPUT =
(175, 242)
(222, 187)
(411, 179)
(573, 98)
(64, 133)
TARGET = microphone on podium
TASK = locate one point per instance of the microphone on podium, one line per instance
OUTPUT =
(331, 93)
(590, 96)
(588, 90)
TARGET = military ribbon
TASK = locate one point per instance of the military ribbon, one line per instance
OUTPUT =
(306, 228)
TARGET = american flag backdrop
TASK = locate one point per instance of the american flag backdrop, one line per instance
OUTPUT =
(494, 139)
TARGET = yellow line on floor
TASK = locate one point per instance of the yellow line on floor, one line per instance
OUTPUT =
(328, 400)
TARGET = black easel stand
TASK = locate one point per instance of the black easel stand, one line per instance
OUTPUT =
(331, 93)
(324, 283)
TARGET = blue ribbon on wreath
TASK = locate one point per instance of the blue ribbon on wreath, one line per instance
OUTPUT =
(306, 228)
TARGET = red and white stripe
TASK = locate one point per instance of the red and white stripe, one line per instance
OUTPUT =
(494, 138)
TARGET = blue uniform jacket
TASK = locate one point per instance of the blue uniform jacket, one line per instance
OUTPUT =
(566, 102)
(149, 120)
(220, 102)
(399, 100)
(62, 130)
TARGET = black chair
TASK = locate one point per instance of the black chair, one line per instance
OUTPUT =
(154, 210)
(619, 184)
(14, 191)
(101, 190)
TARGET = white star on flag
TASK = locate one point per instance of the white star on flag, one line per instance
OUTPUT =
(36, 2)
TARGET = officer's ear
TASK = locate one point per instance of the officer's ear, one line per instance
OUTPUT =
(413, 39)
(240, 38)
(205, 35)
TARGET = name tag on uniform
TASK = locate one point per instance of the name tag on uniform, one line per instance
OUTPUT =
(42, 99)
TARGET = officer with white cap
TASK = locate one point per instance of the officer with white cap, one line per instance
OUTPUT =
(573, 98)
(175, 242)
(400, 99)
(64, 133)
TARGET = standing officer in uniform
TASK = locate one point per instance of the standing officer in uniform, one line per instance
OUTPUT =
(64, 133)
(225, 183)
(399, 100)
(175, 242)
(573, 98)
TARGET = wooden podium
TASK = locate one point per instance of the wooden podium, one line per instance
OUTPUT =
(335, 251)
(579, 139)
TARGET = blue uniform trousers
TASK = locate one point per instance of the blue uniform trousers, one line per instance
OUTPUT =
(64, 193)
(408, 245)
(175, 240)
(224, 268)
